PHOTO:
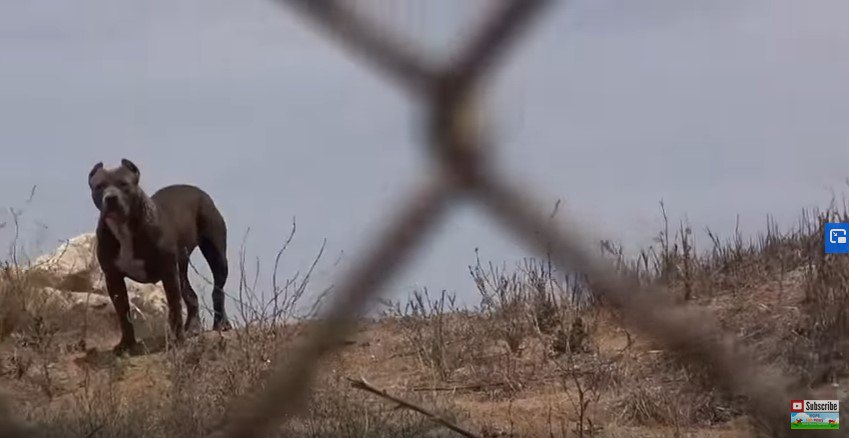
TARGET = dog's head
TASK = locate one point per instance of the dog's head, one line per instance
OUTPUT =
(115, 191)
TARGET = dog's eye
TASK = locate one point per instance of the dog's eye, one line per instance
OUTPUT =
(122, 185)
(100, 186)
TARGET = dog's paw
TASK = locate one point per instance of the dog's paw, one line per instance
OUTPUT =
(126, 349)
(193, 327)
(222, 325)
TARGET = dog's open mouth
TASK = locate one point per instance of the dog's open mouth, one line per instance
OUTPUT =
(115, 215)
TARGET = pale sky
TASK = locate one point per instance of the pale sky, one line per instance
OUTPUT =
(720, 108)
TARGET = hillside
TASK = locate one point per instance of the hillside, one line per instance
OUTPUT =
(529, 361)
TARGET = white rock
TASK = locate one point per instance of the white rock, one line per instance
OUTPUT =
(71, 258)
(75, 279)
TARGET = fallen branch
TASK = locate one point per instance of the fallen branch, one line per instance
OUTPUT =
(475, 387)
(362, 384)
(95, 430)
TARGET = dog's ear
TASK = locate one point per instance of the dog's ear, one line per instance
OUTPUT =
(129, 165)
(94, 169)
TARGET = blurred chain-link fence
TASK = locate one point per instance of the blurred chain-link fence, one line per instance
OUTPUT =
(462, 173)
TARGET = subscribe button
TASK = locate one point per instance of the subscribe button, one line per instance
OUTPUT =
(815, 414)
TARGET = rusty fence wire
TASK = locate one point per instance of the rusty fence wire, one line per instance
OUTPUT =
(459, 149)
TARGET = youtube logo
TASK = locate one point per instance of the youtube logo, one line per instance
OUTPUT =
(797, 406)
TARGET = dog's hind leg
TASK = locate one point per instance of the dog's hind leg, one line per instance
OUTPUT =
(189, 296)
(171, 284)
(215, 252)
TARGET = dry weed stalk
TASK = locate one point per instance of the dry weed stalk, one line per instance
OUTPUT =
(458, 148)
(362, 384)
(457, 145)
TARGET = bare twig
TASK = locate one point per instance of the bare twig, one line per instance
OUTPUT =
(446, 95)
(288, 386)
(276, 289)
(362, 384)
(95, 430)
(31, 194)
(650, 310)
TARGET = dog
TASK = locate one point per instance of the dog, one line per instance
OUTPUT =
(150, 239)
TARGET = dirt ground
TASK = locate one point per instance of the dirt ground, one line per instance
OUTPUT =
(572, 373)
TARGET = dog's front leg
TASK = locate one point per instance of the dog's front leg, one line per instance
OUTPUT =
(174, 296)
(117, 290)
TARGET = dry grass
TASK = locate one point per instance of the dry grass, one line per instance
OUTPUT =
(542, 360)
(538, 356)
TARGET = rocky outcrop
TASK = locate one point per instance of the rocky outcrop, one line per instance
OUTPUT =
(71, 276)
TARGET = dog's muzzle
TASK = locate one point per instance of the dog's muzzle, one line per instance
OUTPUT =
(112, 202)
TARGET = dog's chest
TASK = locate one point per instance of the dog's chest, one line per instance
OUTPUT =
(127, 262)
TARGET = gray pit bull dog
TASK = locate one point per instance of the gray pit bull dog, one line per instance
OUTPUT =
(150, 239)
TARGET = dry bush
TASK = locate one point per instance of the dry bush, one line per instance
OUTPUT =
(644, 405)
(535, 299)
(534, 327)
(442, 336)
(200, 383)
(657, 391)
(826, 323)
(34, 323)
(526, 319)
(24, 306)
(335, 409)
(194, 387)
(730, 264)
(812, 347)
